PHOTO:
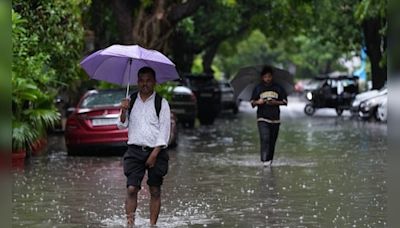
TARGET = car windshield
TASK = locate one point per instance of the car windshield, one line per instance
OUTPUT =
(103, 99)
(199, 82)
(314, 84)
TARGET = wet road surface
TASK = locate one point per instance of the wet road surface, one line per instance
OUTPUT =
(328, 171)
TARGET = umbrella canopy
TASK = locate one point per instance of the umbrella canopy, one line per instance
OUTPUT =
(119, 64)
(247, 78)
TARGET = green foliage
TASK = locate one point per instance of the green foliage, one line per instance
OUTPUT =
(106, 85)
(47, 42)
(33, 113)
(213, 22)
(197, 66)
(252, 51)
(5, 79)
(55, 33)
(370, 9)
(166, 90)
(311, 56)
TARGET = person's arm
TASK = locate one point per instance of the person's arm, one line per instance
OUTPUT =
(123, 117)
(163, 137)
(255, 98)
(260, 101)
(151, 160)
(276, 102)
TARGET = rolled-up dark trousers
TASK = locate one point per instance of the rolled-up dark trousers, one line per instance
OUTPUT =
(268, 136)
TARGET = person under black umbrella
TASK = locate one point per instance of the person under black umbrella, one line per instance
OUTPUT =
(268, 96)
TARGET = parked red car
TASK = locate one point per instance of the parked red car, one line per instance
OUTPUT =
(93, 123)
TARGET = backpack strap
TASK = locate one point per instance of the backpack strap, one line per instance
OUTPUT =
(157, 103)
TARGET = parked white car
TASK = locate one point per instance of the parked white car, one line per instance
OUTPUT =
(381, 112)
(355, 105)
(369, 107)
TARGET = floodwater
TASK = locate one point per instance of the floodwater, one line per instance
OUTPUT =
(328, 171)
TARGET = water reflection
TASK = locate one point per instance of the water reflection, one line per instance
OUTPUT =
(329, 172)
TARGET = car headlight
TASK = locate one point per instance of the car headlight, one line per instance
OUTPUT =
(372, 102)
(367, 105)
(309, 96)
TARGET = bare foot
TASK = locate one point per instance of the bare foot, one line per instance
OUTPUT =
(130, 220)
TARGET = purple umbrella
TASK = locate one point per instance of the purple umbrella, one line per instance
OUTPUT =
(119, 64)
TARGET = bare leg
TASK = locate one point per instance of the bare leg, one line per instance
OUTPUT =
(131, 204)
(155, 203)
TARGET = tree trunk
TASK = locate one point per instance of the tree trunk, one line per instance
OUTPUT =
(376, 45)
(184, 63)
(123, 12)
(153, 28)
(328, 67)
(97, 23)
(208, 57)
(182, 51)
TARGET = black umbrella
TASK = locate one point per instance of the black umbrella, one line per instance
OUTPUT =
(249, 77)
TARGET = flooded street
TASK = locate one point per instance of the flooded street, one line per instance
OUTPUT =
(328, 171)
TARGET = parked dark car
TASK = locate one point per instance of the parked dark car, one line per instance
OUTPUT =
(228, 100)
(208, 95)
(332, 92)
(184, 105)
(92, 124)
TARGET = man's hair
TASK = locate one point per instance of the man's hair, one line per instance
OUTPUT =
(267, 69)
(147, 70)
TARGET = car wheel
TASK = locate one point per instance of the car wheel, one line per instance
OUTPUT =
(381, 114)
(339, 111)
(235, 109)
(309, 109)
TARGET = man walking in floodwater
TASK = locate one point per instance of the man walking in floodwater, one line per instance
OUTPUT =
(268, 96)
(147, 117)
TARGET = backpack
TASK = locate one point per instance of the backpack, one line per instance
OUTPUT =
(157, 103)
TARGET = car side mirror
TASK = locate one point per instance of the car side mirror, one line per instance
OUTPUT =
(70, 110)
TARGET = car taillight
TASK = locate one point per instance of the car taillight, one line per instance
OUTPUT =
(193, 97)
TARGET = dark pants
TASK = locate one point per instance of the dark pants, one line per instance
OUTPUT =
(134, 166)
(268, 135)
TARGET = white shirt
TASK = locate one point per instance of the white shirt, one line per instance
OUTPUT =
(145, 128)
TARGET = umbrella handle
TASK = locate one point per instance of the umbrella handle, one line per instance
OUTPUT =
(127, 91)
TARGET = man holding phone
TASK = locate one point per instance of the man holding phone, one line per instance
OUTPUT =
(268, 96)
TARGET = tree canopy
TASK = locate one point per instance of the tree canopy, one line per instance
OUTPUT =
(310, 35)
(50, 37)
(47, 45)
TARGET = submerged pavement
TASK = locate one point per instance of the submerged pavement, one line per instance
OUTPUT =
(328, 171)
